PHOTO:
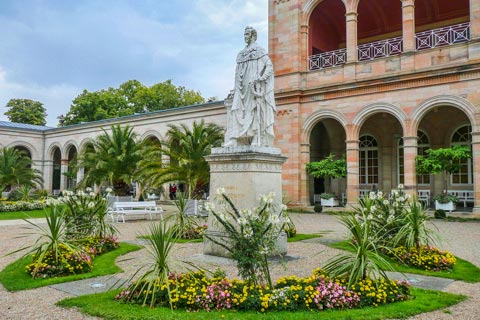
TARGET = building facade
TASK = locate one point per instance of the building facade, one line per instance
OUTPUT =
(379, 81)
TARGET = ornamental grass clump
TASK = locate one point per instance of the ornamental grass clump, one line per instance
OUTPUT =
(154, 285)
(253, 235)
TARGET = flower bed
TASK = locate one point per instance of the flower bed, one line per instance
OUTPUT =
(429, 258)
(69, 262)
(194, 291)
(11, 206)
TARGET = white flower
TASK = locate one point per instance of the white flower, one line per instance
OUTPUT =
(273, 219)
(248, 232)
(108, 190)
(390, 219)
(400, 186)
(223, 217)
(91, 205)
(92, 194)
(209, 206)
(407, 196)
(385, 202)
(373, 209)
(246, 212)
(88, 189)
(380, 194)
(242, 221)
(372, 196)
(369, 217)
(221, 191)
(284, 207)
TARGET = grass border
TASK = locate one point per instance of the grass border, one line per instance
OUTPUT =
(14, 278)
(103, 305)
(462, 270)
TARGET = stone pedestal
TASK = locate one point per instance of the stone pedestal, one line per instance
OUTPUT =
(245, 173)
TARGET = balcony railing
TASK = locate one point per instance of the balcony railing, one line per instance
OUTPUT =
(443, 36)
(380, 49)
(394, 46)
(327, 59)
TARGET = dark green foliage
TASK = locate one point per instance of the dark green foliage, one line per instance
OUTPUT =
(129, 98)
(317, 208)
(26, 111)
(440, 214)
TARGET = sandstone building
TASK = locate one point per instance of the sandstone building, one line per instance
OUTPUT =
(377, 80)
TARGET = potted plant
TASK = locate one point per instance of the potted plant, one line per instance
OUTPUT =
(446, 202)
(328, 168)
(447, 161)
(328, 200)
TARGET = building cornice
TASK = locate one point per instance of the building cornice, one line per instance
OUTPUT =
(414, 79)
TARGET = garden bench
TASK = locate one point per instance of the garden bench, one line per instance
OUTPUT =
(465, 196)
(424, 195)
(122, 208)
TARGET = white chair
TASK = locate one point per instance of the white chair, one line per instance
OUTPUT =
(424, 195)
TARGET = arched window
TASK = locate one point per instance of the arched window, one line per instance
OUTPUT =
(368, 160)
(463, 137)
(423, 144)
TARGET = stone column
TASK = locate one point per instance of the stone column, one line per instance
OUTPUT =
(474, 19)
(352, 51)
(409, 154)
(353, 179)
(476, 170)
(304, 187)
(303, 47)
(408, 22)
(63, 179)
(80, 174)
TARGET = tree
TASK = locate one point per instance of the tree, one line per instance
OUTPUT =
(26, 111)
(447, 160)
(129, 98)
(328, 168)
(186, 149)
(16, 169)
(113, 159)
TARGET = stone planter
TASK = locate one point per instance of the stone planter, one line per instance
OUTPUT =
(449, 206)
(332, 202)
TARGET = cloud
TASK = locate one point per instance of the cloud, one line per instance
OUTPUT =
(54, 49)
(55, 98)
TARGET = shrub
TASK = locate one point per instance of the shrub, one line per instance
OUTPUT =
(96, 246)
(253, 235)
(317, 208)
(440, 214)
(428, 258)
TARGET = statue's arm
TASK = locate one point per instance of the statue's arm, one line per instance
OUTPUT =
(267, 71)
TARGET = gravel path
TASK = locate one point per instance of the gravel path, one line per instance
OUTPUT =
(462, 239)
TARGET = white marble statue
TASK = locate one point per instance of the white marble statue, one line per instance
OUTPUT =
(251, 105)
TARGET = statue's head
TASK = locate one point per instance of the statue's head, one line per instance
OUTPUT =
(250, 34)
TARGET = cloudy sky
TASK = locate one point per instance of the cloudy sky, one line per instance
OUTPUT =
(51, 50)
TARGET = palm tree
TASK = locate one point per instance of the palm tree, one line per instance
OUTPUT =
(112, 160)
(186, 147)
(16, 169)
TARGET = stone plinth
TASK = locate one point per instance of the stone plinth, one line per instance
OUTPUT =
(245, 173)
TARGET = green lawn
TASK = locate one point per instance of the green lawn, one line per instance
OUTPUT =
(462, 270)
(14, 277)
(302, 236)
(103, 305)
(22, 214)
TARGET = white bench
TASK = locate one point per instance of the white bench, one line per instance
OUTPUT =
(152, 196)
(465, 196)
(424, 195)
(120, 209)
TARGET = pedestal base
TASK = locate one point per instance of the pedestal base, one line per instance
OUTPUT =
(245, 173)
